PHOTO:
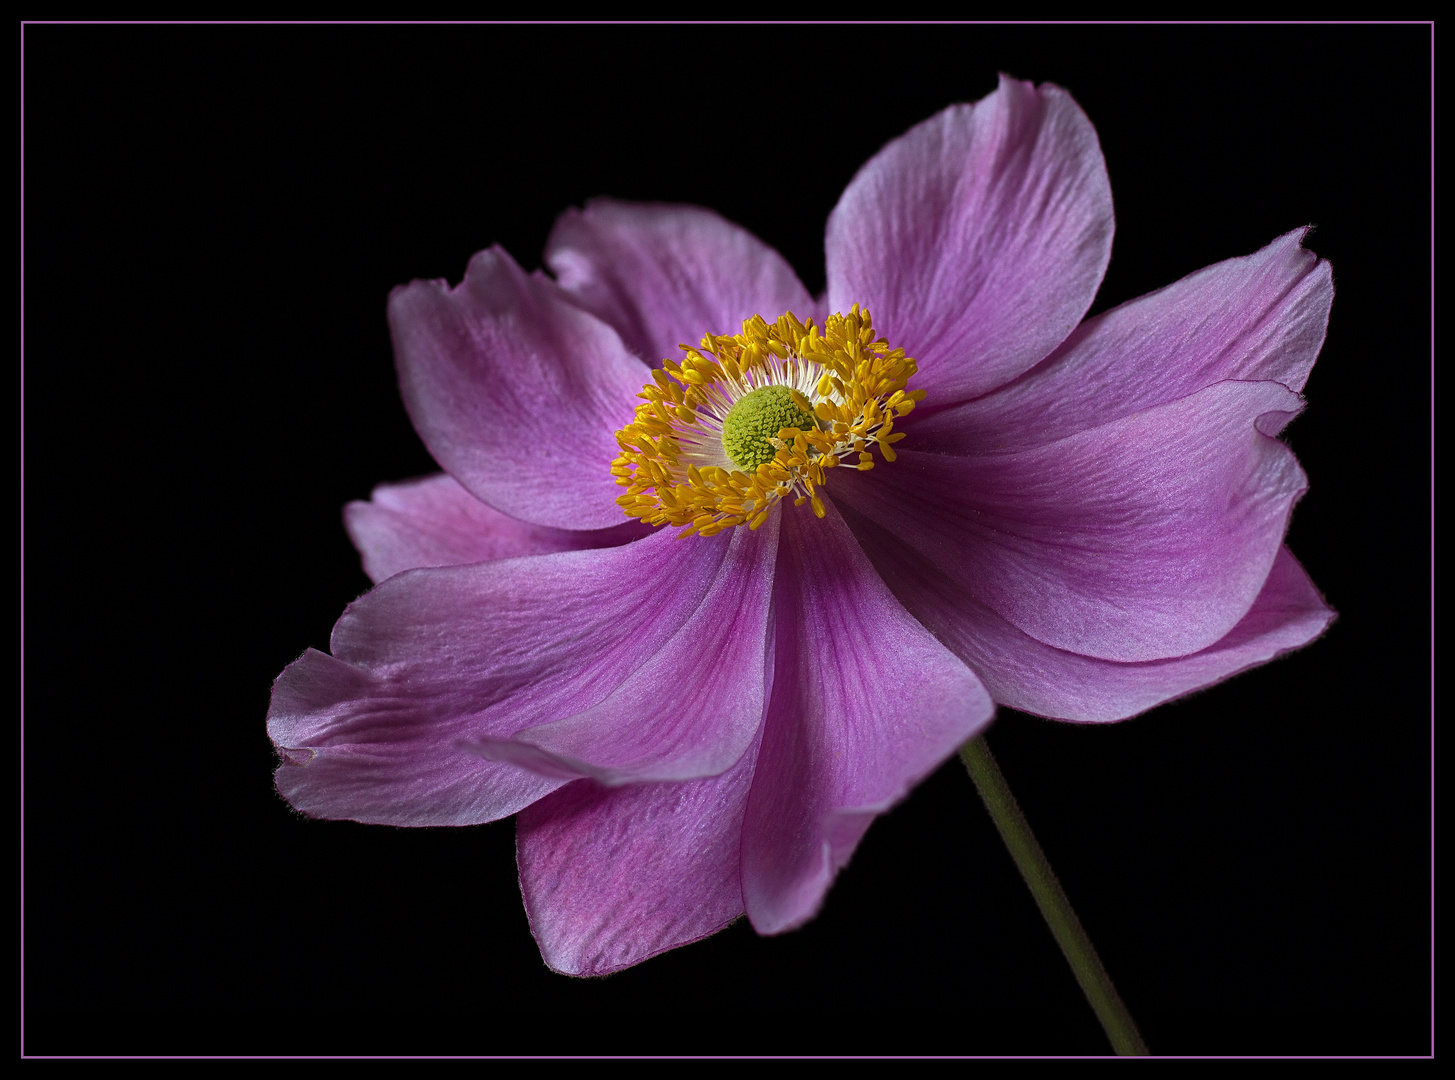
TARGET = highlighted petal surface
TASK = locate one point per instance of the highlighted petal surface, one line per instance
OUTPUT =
(689, 710)
(516, 391)
(978, 239)
(435, 658)
(663, 274)
(1257, 318)
(1034, 677)
(612, 876)
(433, 521)
(865, 703)
(1142, 539)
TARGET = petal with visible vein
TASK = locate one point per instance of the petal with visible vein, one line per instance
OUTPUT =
(865, 703)
(1256, 318)
(433, 521)
(434, 658)
(1142, 539)
(516, 391)
(612, 876)
(665, 274)
(689, 710)
(1029, 675)
(978, 239)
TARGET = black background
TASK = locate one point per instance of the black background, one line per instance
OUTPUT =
(213, 219)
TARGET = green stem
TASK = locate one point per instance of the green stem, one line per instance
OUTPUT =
(1051, 898)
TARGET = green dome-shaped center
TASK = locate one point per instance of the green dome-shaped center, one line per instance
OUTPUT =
(757, 417)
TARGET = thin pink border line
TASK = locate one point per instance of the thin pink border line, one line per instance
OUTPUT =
(714, 1057)
(21, 404)
(1432, 539)
(730, 22)
(1130, 22)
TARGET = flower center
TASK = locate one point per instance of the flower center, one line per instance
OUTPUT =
(749, 419)
(758, 417)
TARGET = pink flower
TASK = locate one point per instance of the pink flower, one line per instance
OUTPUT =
(1083, 521)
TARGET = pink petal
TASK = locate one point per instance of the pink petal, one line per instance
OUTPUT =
(433, 521)
(691, 709)
(865, 703)
(978, 239)
(1261, 317)
(663, 274)
(359, 747)
(612, 876)
(1146, 538)
(516, 391)
(434, 658)
(1027, 674)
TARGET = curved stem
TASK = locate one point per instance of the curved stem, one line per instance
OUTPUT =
(1051, 898)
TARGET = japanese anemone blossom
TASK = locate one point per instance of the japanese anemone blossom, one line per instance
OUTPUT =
(1082, 521)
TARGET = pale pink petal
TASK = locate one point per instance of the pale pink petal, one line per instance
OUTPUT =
(663, 274)
(692, 708)
(612, 876)
(865, 703)
(516, 391)
(433, 521)
(1029, 675)
(1261, 317)
(360, 747)
(1146, 538)
(433, 658)
(978, 239)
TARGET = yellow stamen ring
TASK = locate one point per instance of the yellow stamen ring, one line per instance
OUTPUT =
(700, 453)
